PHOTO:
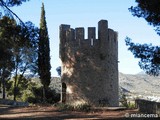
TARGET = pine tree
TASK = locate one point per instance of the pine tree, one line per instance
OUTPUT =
(18, 50)
(149, 55)
(6, 60)
(44, 54)
(5, 10)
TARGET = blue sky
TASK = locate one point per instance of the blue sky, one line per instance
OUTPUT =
(87, 13)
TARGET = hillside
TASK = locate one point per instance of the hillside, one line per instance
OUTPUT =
(140, 85)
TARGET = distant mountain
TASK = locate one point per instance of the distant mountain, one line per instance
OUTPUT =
(141, 73)
(140, 85)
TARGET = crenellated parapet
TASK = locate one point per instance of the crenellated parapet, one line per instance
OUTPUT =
(75, 38)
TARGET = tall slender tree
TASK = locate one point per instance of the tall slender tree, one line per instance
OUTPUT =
(44, 54)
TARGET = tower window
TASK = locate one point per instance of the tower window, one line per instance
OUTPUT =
(91, 41)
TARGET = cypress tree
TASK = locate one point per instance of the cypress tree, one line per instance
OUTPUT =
(44, 54)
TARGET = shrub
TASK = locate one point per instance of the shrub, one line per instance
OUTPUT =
(63, 106)
(80, 107)
(125, 102)
(131, 105)
(31, 91)
(83, 107)
(51, 96)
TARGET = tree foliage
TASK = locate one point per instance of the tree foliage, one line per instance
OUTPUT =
(149, 55)
(149, 10)
(44, 53)
(21, 45)
(58, 69)
(21, 87)
(6, 61)
(25, 52)
(11, 3)
(6, 11)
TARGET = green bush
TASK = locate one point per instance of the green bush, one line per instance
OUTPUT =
(83, 107)
(126, 103)
(51, 96)
(63, 106)
(30, 91)
(80, 107)
(131, 105)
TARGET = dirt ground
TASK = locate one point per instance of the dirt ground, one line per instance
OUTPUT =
(53, 113)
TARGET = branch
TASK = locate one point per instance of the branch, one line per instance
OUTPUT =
(2, 3)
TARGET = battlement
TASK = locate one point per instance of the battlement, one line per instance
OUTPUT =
(74, 39)
(77, 35)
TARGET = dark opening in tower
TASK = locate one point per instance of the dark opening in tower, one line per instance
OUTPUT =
(64, 87)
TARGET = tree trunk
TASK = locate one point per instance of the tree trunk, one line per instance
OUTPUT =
(44, 95)
(15, 92)
(3, 84)
(15, 87)
(4, 90)
(15, 80)
(0, 87)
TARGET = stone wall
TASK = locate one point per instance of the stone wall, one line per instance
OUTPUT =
(13, 103)
(150, 107)
(89, 66)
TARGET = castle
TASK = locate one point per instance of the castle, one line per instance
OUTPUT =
(89, 66)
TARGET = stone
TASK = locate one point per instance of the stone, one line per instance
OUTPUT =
(89, 66)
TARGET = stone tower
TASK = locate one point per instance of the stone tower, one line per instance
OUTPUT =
(89, 66)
